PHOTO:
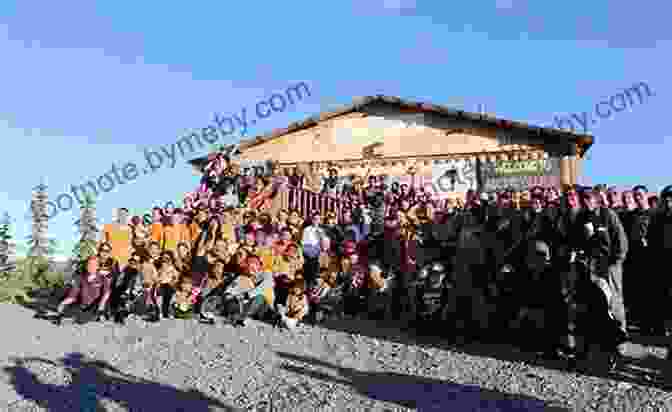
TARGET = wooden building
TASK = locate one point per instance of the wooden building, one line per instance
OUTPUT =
(399, 138)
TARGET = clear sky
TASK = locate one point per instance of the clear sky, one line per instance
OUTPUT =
(88, 84)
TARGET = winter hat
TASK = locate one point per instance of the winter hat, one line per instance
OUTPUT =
(666, 192)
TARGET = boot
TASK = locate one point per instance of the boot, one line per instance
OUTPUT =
(57, 319)
(119, 318)
(206, 318)
(154, 315)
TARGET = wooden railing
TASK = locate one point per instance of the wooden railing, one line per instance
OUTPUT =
(306, 201)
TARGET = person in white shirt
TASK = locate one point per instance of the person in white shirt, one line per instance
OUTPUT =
(313, 234)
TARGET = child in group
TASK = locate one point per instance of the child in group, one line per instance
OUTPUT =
(283, 276)
(296, 307)
(183, 300)
(378, 290)
(168, 279)
(183, 258)
(141, 234)
(355, 277)
(328, 297)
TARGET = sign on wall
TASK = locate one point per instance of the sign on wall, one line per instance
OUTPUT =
(521, 174)
(454, 175)
(519, 167)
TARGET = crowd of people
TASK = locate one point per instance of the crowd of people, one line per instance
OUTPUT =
(572, 266)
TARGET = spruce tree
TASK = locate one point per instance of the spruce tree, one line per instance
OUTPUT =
(38, 242)
(7, 250)
(87, 226)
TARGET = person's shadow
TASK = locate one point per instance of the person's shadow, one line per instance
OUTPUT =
(93, 380)
(416, 392)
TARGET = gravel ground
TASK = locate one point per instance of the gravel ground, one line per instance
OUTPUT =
(180, 365)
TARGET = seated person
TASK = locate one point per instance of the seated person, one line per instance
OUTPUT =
(91, 290)
(107, 264)
(209, 296)
(128, 289)
(296, 307)
(378, 286)
(183, 300)
(283, 276)
(354, 276)
(254, 288)
(328, 297)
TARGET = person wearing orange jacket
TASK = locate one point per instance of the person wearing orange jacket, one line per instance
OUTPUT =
(119, 236)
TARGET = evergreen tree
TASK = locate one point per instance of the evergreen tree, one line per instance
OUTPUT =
(6, 244)
(87, 226)
(39, 243)
(6, 228)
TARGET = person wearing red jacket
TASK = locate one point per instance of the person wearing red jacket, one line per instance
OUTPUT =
(92, 290)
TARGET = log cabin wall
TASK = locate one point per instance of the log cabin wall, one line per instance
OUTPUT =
(395, 138)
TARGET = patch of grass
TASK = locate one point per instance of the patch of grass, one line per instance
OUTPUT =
(32, 274)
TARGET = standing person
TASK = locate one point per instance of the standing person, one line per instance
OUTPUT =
(606, 247)
(638, 257)
(168, 277)
(539, 299)
(313, 237)
(157, 224)
(331, 184)
(348, 226)
(119, 235)
(91, 291)
(108, 266)
(375, 200)
(660, 241)
(333, 229)
(174, 231)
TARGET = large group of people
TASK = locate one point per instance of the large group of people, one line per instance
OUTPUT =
(569, 266)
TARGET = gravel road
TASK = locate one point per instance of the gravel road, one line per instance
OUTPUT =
(180, 365)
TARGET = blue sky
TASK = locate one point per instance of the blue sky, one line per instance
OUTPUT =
(86, 84)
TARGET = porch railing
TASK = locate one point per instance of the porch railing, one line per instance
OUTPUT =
(306, 201)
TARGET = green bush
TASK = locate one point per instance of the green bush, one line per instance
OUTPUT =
(31, 275)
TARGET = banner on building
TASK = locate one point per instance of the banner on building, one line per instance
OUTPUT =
(519, 167)
(520, 175)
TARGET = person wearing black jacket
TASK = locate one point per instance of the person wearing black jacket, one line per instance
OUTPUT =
(127, 290)
(638, 221)
(606, 246)
(537, 222)
(660, 241)
(535, 290)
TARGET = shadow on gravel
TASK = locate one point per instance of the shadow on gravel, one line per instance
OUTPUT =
(44, 299)
(90, 381)
(637, 366)
(416, 392)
